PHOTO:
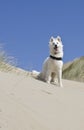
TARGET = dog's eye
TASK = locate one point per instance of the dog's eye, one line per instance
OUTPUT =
(53, 43)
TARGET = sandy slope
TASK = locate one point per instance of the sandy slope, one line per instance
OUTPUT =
(29, 104)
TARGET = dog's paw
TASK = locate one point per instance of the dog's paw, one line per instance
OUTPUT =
(48, 82)
(60, 85)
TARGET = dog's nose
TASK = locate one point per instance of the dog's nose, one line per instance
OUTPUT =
(55, 46)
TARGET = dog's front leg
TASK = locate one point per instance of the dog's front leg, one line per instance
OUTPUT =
(60, 77)
(48, 77)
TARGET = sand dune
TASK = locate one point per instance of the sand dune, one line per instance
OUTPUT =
(29, 104)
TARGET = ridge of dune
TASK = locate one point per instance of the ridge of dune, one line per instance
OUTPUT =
(5, 67)
(30, 104)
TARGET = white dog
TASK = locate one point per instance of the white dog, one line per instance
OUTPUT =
(53, 64)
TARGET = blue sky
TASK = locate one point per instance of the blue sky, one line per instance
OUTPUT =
(27, 25)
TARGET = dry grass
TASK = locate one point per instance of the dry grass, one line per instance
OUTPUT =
(8, 64)
(74, 70)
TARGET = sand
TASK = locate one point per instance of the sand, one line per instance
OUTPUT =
(30, 104)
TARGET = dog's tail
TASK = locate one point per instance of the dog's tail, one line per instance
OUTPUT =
(35, 73)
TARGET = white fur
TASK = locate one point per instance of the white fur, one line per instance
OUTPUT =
(51, 67)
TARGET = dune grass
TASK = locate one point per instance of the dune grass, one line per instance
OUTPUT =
(75, 70)
(9, 64)
(6, 62)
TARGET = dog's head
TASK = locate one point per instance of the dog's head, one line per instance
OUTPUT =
(55, 45)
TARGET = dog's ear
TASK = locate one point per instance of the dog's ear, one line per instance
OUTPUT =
(59, 38)
(51, 39)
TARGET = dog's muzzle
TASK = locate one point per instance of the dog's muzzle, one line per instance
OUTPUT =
(55, 47)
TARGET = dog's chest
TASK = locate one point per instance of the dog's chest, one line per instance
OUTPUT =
(55, 64)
